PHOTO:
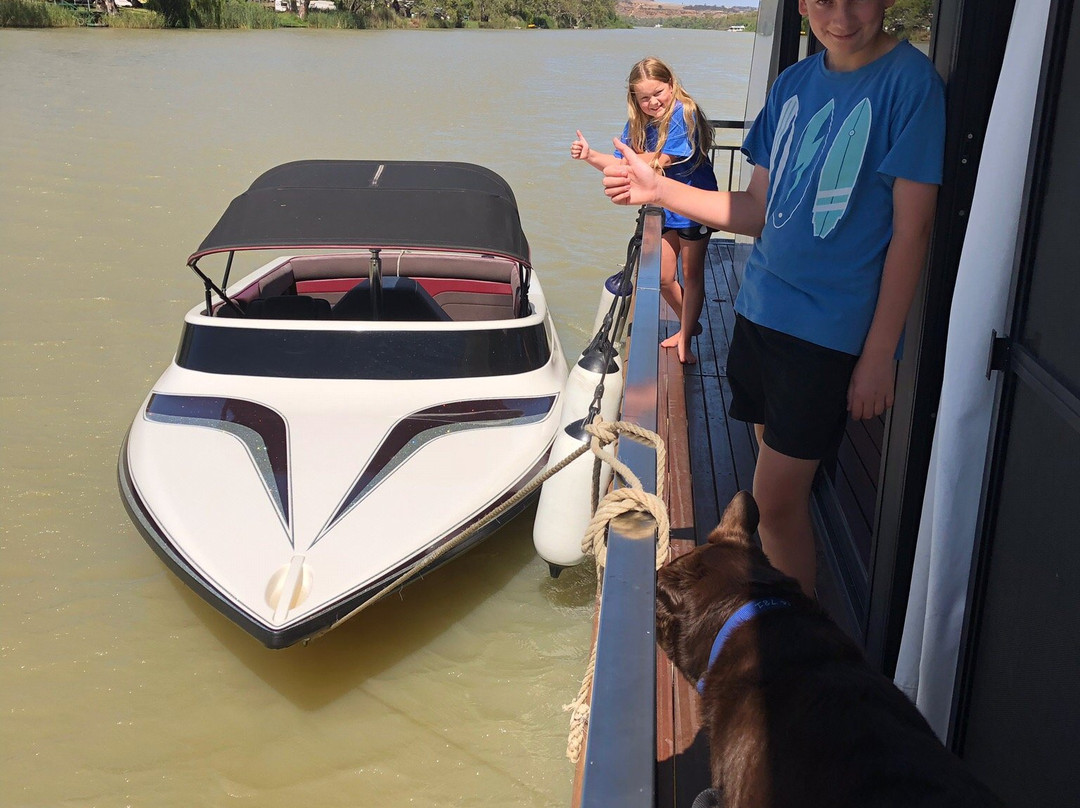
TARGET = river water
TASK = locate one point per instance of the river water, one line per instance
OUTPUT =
(118, 152)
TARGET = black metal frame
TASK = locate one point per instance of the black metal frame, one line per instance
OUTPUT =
(967, 47)
(1021, 365)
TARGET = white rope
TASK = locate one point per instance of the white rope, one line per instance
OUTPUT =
(631, 498)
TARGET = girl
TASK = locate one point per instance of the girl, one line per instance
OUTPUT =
(673, 135)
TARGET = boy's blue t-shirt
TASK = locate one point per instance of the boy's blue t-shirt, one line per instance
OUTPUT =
(684, 167)
(833, 142)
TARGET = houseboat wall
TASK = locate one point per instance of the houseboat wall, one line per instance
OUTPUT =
(1015, 717)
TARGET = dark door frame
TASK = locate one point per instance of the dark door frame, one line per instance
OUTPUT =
(967, 46)
(1021, 364)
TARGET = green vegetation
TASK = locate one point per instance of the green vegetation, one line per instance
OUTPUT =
(350, 14)
(133, 18)
(37, 14)
(910, 19)
(712, 20)
(907, 19)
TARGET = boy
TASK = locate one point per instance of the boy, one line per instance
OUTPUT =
(847, 157)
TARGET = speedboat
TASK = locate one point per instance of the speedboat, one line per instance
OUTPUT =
(340, 417)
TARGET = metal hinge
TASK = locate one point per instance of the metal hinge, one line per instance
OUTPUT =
(999, 353)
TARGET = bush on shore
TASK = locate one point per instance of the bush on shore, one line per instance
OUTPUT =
(38, 14)
(350, 14)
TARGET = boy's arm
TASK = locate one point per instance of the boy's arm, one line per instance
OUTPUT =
(870, 392)
(631, 181)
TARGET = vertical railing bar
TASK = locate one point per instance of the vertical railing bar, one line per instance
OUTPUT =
(738, 126)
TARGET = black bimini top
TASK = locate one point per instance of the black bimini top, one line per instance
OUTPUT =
(368, 203)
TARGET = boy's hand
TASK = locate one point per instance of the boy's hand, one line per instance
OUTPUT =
(870, 391)
(631, 181)
(579, 149)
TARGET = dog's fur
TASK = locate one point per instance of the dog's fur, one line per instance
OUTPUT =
(794, 714)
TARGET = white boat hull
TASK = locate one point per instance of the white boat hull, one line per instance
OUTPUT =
(288, 502)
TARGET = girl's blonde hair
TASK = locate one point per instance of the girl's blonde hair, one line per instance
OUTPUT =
(697, 125)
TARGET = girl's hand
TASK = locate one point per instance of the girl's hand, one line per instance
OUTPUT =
(579, 149)
(631, 181)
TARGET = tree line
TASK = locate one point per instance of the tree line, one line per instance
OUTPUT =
(907, 19)
(402, 13)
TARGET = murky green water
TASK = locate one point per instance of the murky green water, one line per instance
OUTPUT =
(118, 152)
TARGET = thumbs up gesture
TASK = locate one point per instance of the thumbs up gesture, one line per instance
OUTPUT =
(579, 149)
(631, 181)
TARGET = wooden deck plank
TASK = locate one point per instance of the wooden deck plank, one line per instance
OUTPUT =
(717, 456)
(712, 353)
(706, 512)
(732, 444)
(673, 430)
(665, 731)
(676, 718)
(730, 449)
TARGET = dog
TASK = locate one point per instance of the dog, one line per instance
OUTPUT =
(795, 716)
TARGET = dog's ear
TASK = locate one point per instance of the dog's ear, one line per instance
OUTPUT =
(740, 519)
(670, 605)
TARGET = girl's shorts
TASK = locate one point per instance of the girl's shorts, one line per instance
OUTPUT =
(796, 389)
(694, 233)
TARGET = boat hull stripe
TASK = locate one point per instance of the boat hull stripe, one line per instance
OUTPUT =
(262, 431)
(415, 431)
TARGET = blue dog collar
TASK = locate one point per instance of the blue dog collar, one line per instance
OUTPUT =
(747, 612)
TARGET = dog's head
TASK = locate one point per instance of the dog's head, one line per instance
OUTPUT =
(697, 592)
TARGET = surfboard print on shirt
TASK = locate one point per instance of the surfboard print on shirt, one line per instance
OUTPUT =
(841, 169)
(785, 130)
(792, 187)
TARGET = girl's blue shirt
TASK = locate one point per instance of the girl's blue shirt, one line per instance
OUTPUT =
(685, 166)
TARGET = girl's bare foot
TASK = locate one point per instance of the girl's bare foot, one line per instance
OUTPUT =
(673, 340)
(686, 356)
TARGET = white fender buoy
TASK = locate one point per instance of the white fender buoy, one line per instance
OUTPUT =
(565, 506)
(613, 288)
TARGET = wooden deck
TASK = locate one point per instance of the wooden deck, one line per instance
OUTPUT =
(709, 460)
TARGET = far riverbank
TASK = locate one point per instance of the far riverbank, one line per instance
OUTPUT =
(340, 14)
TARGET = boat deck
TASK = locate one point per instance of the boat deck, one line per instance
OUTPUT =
(710, 458)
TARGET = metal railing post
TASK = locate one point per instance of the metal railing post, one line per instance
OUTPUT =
(620, 753)
(731, 150)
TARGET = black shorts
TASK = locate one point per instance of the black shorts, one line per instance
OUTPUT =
(796, 389)
(695, 233)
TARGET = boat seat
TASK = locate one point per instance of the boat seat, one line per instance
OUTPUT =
(403, 300)
(286, 307)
